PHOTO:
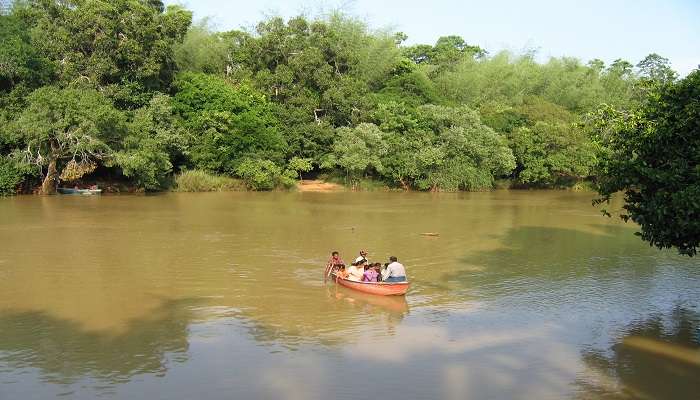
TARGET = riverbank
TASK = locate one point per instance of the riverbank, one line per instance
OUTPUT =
(202, 181)
(319, 186)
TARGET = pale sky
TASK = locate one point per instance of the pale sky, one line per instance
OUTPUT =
(586, 29)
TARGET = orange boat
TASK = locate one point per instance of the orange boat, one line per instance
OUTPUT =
(379, 288)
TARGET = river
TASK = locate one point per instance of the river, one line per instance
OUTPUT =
(523, 295)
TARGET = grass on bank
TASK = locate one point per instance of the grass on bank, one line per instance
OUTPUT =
(363, 184)
(367, 184)
(203, 181)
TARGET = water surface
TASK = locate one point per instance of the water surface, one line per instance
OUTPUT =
(524, 295)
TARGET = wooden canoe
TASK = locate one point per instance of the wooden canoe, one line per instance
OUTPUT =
(378, 288)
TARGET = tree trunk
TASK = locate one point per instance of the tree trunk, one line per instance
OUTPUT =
(49, 184)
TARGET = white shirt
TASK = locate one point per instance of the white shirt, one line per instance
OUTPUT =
(360, 258)
(394, 269)
(355, 273)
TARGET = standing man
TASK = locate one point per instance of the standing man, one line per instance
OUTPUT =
(394, 272)
(362, 259)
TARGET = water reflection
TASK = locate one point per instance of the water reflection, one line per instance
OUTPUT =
(391, 310)
(395, 306)
(64, 351)
(657, 358)
(531, 257)
(332, 316)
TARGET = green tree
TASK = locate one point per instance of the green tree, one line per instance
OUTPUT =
(441, 148)
(12, 173)
(228, 122)
(552, 154)
(657, 69)
(264, 174)
(20, 61)
(466, 154)
(70, 128)
(124, 47)
(359, 150)
(652, 155)
(299, 165)
(319, 73)
(155, 140)
(447, 51)
(203, 50)
(409, 84)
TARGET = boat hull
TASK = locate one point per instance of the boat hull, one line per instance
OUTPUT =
(378, 288)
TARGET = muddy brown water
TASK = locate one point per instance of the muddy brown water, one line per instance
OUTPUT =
(523, 295)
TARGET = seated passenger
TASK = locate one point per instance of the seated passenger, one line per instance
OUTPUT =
(356, 272)
(378, 268)
(370, 274)
(394, 272)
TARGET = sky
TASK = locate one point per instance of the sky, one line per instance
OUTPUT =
(586, 29)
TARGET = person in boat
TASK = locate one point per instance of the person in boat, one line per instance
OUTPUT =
(362, 259)
(370, 274)
(335, 260)
(356, 272)
(378, 268)
(334, 263)
(394, 271)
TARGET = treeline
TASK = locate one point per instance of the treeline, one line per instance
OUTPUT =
(132, 87)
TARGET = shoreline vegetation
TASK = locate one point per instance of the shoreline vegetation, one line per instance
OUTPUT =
(149, 101)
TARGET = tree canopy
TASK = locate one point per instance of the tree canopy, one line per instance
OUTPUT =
(67, 130)
(652, 155)
(320, 95)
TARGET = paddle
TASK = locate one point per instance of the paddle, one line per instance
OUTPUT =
(327, 272)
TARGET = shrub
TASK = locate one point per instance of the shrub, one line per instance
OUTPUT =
(10, 177)
(264, 174)
(203, 181)
(299, 165)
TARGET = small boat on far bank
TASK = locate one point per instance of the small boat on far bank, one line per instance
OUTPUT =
(378, 288)
(84, 192)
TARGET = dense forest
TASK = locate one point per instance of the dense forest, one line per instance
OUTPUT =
(134, 91)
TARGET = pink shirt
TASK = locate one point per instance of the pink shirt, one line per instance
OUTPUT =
(370, 276)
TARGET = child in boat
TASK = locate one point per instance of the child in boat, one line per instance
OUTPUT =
(370, 274)
(378, 268)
